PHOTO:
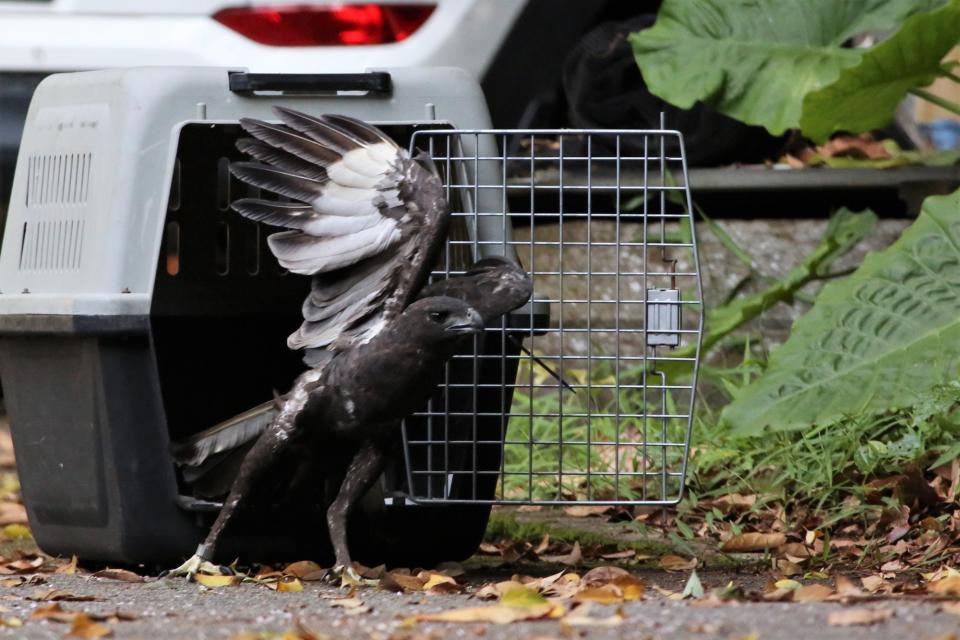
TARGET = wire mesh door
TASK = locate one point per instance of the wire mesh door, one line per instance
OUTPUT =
(586, 393)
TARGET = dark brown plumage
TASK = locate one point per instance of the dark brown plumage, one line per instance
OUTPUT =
(368, 230)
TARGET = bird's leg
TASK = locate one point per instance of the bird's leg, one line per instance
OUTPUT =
(363, 470)
(259, 459)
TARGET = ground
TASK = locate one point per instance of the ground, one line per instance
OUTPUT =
(45, 604)
(178, 609)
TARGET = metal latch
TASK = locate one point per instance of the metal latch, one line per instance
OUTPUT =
(663, 317)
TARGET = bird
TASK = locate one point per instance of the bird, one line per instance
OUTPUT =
(366, 221)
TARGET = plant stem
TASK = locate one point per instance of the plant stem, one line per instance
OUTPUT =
(953, 77)
(937, 100)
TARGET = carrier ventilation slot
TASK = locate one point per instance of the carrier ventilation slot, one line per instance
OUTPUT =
(58, 179)
(51, 245)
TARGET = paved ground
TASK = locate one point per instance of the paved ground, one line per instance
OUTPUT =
(168, 608)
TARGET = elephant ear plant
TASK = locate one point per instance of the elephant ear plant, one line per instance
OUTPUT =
(783, 65)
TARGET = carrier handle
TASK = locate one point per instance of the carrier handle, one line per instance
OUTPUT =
(375, 82)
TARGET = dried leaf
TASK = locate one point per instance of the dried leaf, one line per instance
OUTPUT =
(306, 570)
(440, 582)
(846, 588)
(53, 612)
(69, 568)
(873, 583)
(600, 595)
(850, 617)
(579, 618)
(521, 596)
(16, 532)
(604, 575)
(676, 563)
(53, 595)
(213, 582)
(626, 554)
(489, 549)
(289, 584)
(118, 574)
(12, 513)
(84, 627)
(25, 565)
(544, 544)
(812, 593)
(585, 511)
(946, 587)
(573, 558)
(748, 542)
(497, 614)
(393, 581)
(693, 588)
(788, 568)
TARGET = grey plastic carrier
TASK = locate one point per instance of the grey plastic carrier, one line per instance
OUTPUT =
(136, 308)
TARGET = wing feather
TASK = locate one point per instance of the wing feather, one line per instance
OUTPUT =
(368, 225)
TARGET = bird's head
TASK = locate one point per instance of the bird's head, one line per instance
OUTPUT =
(440, 319)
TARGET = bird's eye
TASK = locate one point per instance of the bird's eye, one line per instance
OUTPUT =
(439, 316)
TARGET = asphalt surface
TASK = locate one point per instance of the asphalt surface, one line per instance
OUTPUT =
(175, 608)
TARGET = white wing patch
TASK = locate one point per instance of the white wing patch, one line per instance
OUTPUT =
(351, 177)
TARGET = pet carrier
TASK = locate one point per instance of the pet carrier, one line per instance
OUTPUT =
(137, 308)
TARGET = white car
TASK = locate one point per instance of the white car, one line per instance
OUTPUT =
(516, 47)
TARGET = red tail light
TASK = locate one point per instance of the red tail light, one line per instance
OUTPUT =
(319, 25)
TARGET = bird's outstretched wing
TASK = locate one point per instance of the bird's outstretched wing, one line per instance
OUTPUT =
(367, 223)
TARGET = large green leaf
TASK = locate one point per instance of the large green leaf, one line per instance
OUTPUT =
(865, 96)
(755, 60)
(873, 342)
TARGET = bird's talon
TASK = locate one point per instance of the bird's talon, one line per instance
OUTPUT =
(348, 577)
(196, 565)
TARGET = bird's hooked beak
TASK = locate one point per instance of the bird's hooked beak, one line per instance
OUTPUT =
(469, 323)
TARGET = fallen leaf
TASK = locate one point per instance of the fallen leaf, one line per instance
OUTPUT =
(748, 542)
(626, 554)
(873, 583)
(946, 587)
(846, 588)
(53, 612)
(951, 607)
(693, 588)
(84, 627)
(788, 568)
(69, 568)
(521, 596)
(573, 558)
(25, 565)
(393, 581)
(439, 581)
(54, 595)
(306, 570)
(676, 563)
(16, 532)
(585, 511)
(12, 513)
(289, 584)
(579, 618)
(489, 549)
(793, 585)
(11, 621)
(118, 574)
(812, 593)
(600, 595)
(850, 617)
(497, 614)
(544, 544)
(213, 582)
